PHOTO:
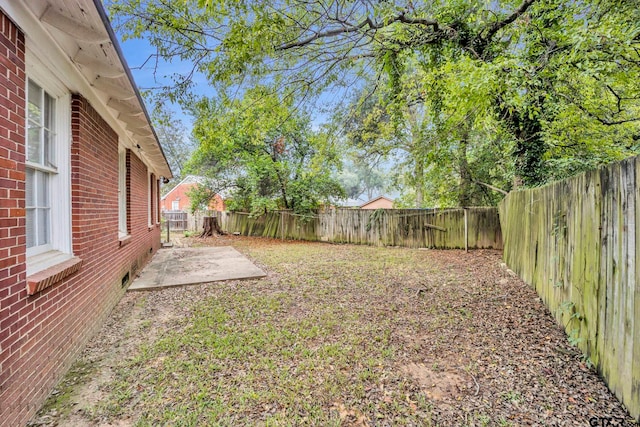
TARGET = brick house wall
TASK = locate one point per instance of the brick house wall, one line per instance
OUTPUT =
(41, 334)
(179, 194)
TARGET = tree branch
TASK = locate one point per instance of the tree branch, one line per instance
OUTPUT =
(499, 190)
(366, 24)
(497, 26)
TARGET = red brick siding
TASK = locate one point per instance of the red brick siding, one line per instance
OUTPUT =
(40, 335)
(12, 219)
(179, 193)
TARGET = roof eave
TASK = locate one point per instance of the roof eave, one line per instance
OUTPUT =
(116, 45)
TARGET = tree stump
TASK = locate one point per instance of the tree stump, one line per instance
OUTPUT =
(210, 225)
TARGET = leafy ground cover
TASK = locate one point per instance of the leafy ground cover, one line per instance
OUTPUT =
(336, 335)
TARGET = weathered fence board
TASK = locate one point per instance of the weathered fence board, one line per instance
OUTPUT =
(575, 241)
(414, 228)
(177, 220)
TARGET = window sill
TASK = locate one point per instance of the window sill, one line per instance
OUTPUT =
(51, 269)
(125, 240)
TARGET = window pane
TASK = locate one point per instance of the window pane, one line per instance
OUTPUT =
(43, 226)
(35, 103)
(30, 228)
(42, 187)
(29, 188)
(34, 147)
(49, 149)
(49, 111)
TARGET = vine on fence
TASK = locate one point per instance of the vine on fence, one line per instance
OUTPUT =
(375, 218)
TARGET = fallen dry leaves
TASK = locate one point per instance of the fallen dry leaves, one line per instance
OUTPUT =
(436, 338)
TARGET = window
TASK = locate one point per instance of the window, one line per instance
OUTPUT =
(150, 204)
(175, 205)
(157, 201)
(122, 192)
(40, 165)
(47, 183)
(154, 213)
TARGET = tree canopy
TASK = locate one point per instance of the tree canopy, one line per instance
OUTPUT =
(479, 95)
(263, 153)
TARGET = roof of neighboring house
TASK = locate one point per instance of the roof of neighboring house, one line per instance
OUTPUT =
(191, 179)
(376, 199)
(89, 61)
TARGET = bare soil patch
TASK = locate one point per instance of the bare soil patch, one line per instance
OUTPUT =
(437, 385)
(338, 335)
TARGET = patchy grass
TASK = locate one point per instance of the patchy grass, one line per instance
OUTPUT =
(303, 354)
(60, 402)
(347, 335)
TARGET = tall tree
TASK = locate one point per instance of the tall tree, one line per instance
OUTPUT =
(264, 153)
(561, 73)
(362, 180)
(309, 43)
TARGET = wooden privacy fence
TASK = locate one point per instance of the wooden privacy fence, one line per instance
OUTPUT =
(575, 241)
(177, 220)
(415, 228)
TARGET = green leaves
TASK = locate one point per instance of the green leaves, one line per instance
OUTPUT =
(505, 92)
(266, 150)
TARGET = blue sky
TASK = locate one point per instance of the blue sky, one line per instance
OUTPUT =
(148, 75)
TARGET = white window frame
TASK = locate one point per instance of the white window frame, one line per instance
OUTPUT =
(122, 191)
(156, 190)
(175, 205)
(60, 247)
(149, 201)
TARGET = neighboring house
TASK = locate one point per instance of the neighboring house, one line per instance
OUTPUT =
(380, 202)
(80, 168)
(177, 199)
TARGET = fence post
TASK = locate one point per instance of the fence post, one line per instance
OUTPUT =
(466, 231)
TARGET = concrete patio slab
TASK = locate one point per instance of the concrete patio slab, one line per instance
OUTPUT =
(190, 266)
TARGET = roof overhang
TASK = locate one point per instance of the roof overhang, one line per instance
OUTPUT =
(83, 35)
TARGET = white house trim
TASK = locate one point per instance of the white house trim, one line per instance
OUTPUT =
(55, 50)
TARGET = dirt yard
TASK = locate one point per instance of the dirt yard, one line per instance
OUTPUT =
(336, 335)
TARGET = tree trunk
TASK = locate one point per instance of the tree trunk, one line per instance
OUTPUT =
(530, 147)
(464, 194)
(419, 180)
(210, 225)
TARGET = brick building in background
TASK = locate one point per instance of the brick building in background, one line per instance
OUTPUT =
(80, 168)
(177, 199)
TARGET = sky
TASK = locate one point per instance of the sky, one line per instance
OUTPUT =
(148, 75)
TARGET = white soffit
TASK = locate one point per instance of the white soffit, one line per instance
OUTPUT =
(71, 25)
(77, 27)
(87, 58)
